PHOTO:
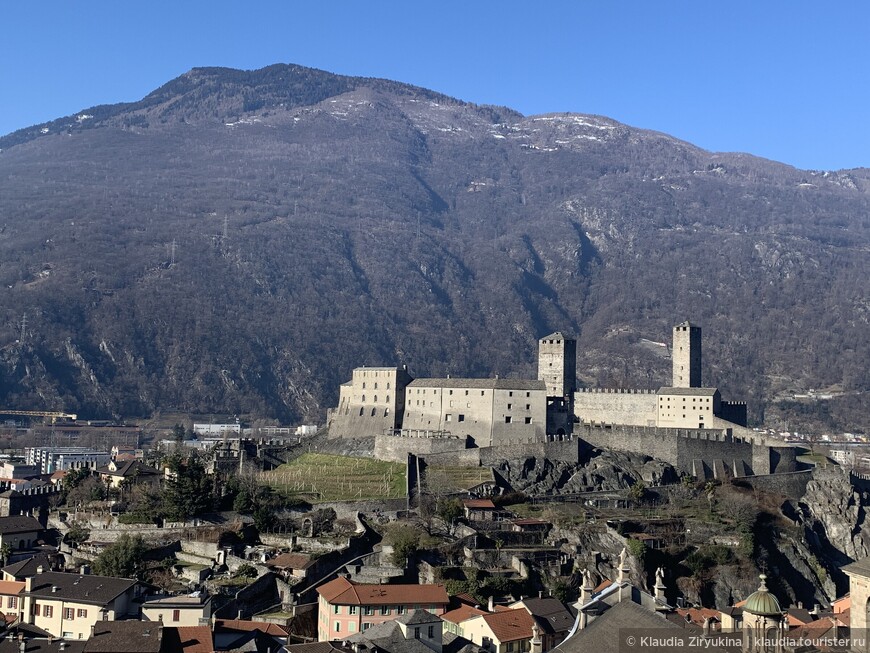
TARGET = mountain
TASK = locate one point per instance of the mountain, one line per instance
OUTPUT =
(238, 241)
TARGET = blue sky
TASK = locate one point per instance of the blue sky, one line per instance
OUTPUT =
(787, 80)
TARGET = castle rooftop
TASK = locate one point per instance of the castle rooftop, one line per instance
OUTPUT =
(690, 392)
(483, 384)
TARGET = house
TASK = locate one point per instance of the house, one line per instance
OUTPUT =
(607, 633)
(479, 509)
(453, 619)
(10, 599)
(125, 637)
(291, 565)
(132, 471)
(19, 532)
(346, 607)
(67, 605)
(417, 631)
(189, 610)
(233, 634)
(506, 631)
(29, 567)
(552, 617)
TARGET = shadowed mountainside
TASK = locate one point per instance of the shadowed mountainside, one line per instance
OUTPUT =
(237, 241)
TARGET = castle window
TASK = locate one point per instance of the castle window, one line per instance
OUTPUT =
(450, 392)
(376, 385)
(451, 403)
(386, 412)
(460, 418)
(388, 385)
(528, 394)
(508, 419)
(388, 399)
(448, 417)
(528, 406)
(364, 385)
(466, 393)
(376, 399)
(373, 411)
(482, 392)
(364, 398)
(510, 394)
(360, 412)
(510, 406)
(528, 420)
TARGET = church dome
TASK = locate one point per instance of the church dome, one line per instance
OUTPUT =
(762, 602)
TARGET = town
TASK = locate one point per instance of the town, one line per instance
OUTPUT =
(450, 514)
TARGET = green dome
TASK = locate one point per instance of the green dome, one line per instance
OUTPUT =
(762, 602)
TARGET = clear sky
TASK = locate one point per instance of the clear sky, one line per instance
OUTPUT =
(787, 80)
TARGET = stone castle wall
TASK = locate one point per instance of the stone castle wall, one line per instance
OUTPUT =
(451, 452)
(616, 406)
(693, 451)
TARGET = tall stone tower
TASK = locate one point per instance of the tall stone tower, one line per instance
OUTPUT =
(686, 356)
(557, 365)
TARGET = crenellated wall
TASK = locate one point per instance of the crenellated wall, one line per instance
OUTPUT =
(615, 406)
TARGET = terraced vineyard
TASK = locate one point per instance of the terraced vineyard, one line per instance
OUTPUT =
(324, 477)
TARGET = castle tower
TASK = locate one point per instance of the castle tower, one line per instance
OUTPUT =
(686, 356)
(557, 365)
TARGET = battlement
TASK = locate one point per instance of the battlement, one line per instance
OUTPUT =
(665, 433)
(616, 391)
(422, 433)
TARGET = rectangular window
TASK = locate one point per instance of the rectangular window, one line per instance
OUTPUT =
(510, 406)
(82, 613)
(448, 417)
(510, 394)
(366, 625)
(431, 632)
(36, 609)
(528, 420)
(367, 611)
(510, 647)
(416, 633)
(338, 626)
(352, 627)
(400, 609)
(69, 613)
(385, 610)
(12, 602)
(47, 610)
(336, 609)
(528, 406)
(176, 615)
(461, 418)
(507, 419)
(351, 609)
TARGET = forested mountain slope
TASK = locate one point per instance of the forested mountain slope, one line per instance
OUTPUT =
(238, 241)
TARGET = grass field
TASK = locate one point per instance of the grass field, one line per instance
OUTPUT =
(323, 477)
(453, 479)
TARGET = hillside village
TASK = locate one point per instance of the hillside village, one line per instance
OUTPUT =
(534, 520)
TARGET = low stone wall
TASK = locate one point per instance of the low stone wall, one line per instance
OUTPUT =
(790, 484)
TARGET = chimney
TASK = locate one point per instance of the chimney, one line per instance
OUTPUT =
(490, 606)
(54, 588)
(39, 569)
(61, 645)
(84, 570)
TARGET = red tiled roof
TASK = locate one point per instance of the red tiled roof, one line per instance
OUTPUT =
(462, 613)
(479, 504)
(243, 625)
(510, 625)
(698, 615)
(466, 598)
(843, 603)
(195, 639)
(345, 592)
(291, 561)
(11, 587)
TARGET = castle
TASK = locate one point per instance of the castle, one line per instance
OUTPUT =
(686, 424)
